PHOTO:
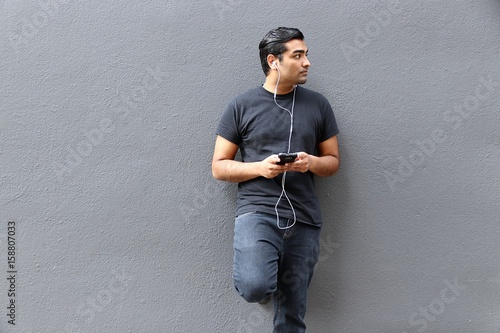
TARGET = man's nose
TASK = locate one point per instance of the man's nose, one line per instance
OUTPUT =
(306, 63)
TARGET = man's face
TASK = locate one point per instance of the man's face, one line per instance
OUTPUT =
(295, 65)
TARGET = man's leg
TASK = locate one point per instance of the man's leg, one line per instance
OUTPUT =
(299, 255)
(256, 244)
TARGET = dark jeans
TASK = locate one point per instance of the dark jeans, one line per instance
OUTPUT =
(270, 261)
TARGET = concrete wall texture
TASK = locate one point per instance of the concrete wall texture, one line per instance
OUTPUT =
(111, 221)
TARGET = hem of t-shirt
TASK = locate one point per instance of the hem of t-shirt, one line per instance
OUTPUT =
(331, 135)
(273, 212)
(227, 137)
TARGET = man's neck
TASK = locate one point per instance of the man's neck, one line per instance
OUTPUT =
(270, 86)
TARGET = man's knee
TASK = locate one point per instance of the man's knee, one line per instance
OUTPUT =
(254, 290)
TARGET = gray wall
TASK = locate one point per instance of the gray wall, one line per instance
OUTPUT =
(107, 122)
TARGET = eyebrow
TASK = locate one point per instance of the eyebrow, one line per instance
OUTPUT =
(300, 51)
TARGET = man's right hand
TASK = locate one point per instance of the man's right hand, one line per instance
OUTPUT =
(269, 167)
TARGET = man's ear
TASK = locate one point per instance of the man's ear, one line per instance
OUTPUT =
(272, 61)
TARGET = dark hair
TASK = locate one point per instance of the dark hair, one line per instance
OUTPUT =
(274, 43)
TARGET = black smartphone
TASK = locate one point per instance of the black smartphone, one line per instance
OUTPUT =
(286, 158)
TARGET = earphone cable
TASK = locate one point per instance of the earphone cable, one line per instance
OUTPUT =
(283, 179)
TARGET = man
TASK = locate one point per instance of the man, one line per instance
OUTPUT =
(278, 219)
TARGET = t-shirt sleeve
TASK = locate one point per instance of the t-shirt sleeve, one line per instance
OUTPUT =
(330, 128)
(228, 124)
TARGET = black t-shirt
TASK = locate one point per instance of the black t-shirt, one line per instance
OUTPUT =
(260, 128)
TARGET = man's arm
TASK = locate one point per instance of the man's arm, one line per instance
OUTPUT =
(325, 164)
(224, 167)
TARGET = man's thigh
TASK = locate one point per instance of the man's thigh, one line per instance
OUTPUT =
(257, 244)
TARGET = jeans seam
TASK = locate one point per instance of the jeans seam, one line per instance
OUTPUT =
(244, 214)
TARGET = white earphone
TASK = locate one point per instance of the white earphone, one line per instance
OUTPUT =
(283, 179)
